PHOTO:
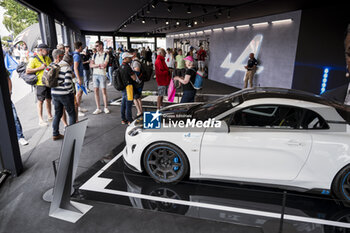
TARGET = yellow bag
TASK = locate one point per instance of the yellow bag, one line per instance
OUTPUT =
(130, 92)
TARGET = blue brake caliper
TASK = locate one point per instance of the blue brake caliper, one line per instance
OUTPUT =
(176, 160)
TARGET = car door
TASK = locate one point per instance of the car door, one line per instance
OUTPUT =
(264, 143)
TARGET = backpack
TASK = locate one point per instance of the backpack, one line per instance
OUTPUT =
(198, 82)
(118, 81)
(146, 72)
(30, 79)
(50, 76)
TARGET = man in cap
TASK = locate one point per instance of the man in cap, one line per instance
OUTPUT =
(128, 76)
(37, 65)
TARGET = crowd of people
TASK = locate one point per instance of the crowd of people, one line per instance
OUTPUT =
(76, 68)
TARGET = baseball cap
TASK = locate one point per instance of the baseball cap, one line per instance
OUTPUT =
(189, 58)
(42, 46)
(125, 55)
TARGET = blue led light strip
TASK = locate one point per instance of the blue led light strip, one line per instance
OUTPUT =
(324, 80)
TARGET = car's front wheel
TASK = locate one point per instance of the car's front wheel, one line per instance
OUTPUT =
(341, 185)
(165, 163)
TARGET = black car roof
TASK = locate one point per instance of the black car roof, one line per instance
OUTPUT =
(273, 92)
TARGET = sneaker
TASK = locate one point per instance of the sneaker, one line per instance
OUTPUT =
(106, 110)
(89, 91)
(109, 84)
(43, 123)
(82, 109)
(97, 111)
(80, 114)
(23, 142)
(58, 137)
(50, 118)
(124, 122)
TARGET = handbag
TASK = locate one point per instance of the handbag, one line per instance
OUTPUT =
(171, 91)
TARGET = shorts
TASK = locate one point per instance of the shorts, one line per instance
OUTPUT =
(162, 90)
(100, 81)
(43, 92)
(138, 91)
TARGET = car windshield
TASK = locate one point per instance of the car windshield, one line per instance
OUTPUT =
(216, 107)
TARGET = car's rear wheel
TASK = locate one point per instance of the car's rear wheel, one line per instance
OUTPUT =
(341, 185)
(165, 163)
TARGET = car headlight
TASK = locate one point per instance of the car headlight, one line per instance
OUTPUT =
(135, 131)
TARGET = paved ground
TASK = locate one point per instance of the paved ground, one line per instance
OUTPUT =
(21, 206)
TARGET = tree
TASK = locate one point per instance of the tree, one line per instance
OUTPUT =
(17, 17)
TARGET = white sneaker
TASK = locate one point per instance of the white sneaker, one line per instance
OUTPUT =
(82, 109)
(97, 111)
(80, 114)
(43, 123)
(109, 84)
(106, 110)
(23, 142)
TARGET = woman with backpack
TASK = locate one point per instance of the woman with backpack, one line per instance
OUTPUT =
(189, 92)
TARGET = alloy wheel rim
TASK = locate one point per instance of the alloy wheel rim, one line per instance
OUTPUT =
(165, 163)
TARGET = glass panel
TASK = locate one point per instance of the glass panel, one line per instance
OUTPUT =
(90, 41)
(107, 41)
(121, 42)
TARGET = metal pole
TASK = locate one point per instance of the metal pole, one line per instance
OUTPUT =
(282, 211)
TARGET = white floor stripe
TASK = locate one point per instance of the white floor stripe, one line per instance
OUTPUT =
(97, 184)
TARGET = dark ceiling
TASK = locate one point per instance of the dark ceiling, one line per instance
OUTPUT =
(111, 15)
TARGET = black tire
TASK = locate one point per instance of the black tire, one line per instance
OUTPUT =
(341, 185)
(165, 163)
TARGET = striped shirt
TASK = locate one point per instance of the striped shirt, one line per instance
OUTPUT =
(65, 82)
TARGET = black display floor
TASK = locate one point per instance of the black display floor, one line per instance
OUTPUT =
(266, 209)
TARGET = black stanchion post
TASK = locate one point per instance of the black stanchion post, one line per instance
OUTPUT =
(282, 211)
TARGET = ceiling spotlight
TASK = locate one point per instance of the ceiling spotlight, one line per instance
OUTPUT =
(167, 22)
(177, 23)
(189, 11)
(125, 25)
(195, 22)
(148, 9)
(228, 14)
(143, 20)
(154, 3)
(170, 7)
(205, 10)
(219, 12)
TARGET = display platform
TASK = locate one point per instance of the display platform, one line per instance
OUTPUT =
(267, 209)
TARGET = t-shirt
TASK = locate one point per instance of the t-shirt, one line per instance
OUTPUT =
(35, 63)
(126, 73)
(180, 62)
(136, 64)
(86, 57)
(251, 63)
(65, 83)
(100, 59)
(77, 58)
(188, 86)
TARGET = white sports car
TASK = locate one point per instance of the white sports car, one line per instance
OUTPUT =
(269, 136)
